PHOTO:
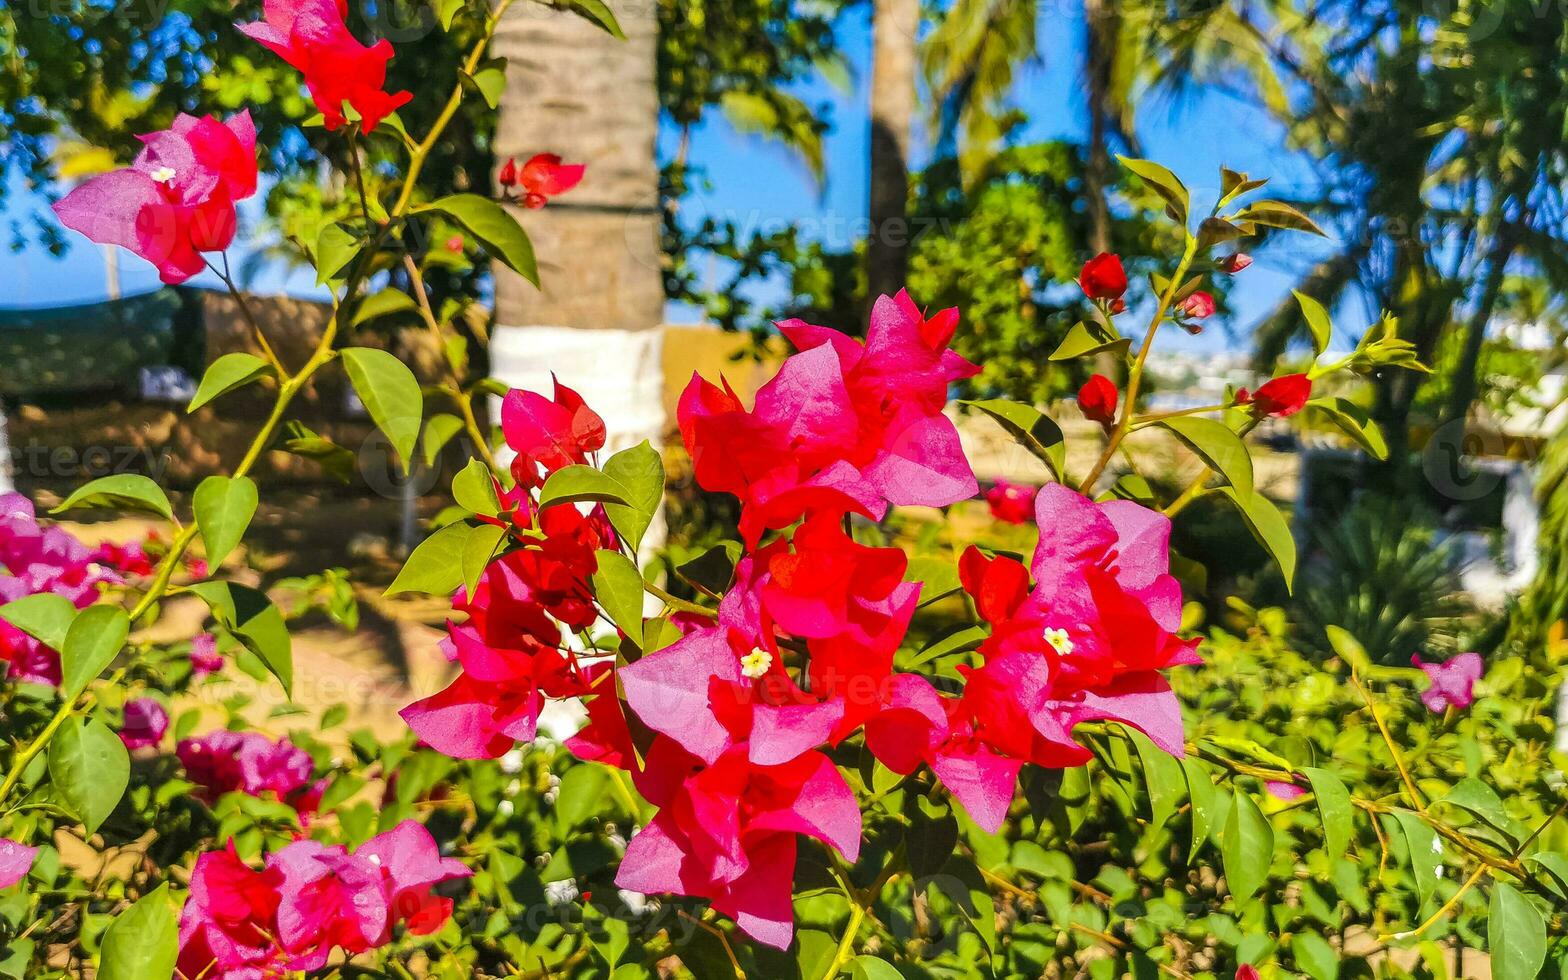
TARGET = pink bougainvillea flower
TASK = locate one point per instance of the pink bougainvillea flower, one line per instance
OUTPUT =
(1011, 503)
(1085, 642)
(843, 425)
(726, 833)
(37, 559)
(15, 861)
(329, 897)
(1287, 792)
(1197, 306)
(176, 200)
(1281, 397)
(509, 648)
(1232, 264)
(1453, 681)
(544, 176)
(1097, 400)
(251, 763)
(411, 865)
(552, 432)
(1103, 277)
(1246, 971)
(127, 559)
(145, 723)
(312, 37)
(205, 658)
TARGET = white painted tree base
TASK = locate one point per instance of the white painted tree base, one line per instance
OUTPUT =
(5, 459)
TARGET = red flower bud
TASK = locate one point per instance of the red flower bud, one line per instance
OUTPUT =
(1097, 400)
(508, 175)
(455, 244)
(1197, 306)
(1282, 396)
(1103, 277)
(1243, 397)
(1118, 306)
(1232, 264)
(1246, 971)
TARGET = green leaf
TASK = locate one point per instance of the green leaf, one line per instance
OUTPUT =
(712, 570)
(1556, 867)
(435, 566)
(45, 617)
(336, 246)
(497, 230)
(868, 967)
(391, 396)
(1426, 855)
(143, 942)
(1334, 809)
(478, 550)
(640, 472)
(570, 484)
(125, 491)
(1081, 341)
(1516, 934)
(489, 82)
(959, 637)
(474, 489)
(938, 577)
(335, 460)
(447, 10)
(1482, 801)
(1314, 956)
(1200, 787)
(227, 373)
(1277, 214)
(930, 836)
(1033, 429)
(94, 639)
(599, 13)
(90, 768)
(439, 430)
(1163, 776)
(1246, 847)
(1268, 526)
(384, 303)
(1318, 321)
(1217, 445)
(255, 622)
(224, 507)
(618, 586)
(962, 882)
(1354, 421)
(1163, 182)
(581, 794)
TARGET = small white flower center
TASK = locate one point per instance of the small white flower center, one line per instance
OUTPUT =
(375, 859)
(1058, 640)
(163, 175)
(756, 663)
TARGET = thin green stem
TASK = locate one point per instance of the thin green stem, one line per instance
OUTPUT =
(462, 399)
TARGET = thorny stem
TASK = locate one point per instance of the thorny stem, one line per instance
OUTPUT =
(1135, 376)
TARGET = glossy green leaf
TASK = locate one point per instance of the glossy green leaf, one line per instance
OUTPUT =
(1314, 956)
(384, 303)
(1318, 321)
(479, 549)
(712, 570)
(1482, 801)
(435, 566)
(581, 794)
(1426, 854)
(1334, 809)
(336, 246)
(1033, 429)
(123, 491)
(1516, 933)
(938, 577)
(224, 507)
(618, 586)
(867, 967)
(497, 230)
(640, 473)
(143, 942)
(1354, 421)
(1083, 341)
(43, 616)
(1164, 779)
(227, 373)
(439, 430)
(255, 622)
(1200, 788)
(96, 636)
(598, 12)
(1268, 526)
(961, 881)
(1277, 214)
(391, 395)
(89, 768)
(474, 489)
(1163, 182)
(571, 484)
(1246, 847)
(1217, 445)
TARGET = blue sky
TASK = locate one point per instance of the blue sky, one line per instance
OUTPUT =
(757, 181)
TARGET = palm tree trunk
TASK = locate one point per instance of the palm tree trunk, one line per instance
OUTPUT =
(1099, 55)
(894, 25)
(1463, 382)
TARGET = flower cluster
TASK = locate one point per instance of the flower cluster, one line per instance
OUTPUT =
(35, 559)
(542, 177)
(223, 761)
(309, 899)
(511, 647)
